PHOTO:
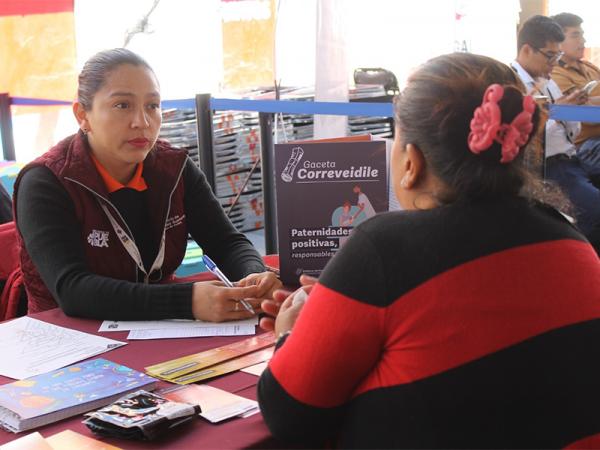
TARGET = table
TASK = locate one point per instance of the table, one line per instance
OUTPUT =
(235, 433)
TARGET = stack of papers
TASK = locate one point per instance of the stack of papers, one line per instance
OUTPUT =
(30, 347)
(169, 329)
(180, 129)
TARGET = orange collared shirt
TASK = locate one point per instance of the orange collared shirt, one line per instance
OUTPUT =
(137, 182)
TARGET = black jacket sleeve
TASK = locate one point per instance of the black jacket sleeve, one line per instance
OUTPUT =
(213, 231)
(46, 220)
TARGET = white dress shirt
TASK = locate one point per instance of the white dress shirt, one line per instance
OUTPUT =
(560, 135)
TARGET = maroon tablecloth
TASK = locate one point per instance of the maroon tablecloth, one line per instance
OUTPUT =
(235, 433)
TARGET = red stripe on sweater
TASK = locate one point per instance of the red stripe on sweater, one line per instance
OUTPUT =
(590, 442)
(487, 305)
(341, 347)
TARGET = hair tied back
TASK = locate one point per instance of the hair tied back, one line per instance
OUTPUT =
(486, 125)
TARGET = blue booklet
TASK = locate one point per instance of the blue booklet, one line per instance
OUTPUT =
(72, 390)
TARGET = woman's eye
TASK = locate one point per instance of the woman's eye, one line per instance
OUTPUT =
(122, 105)
(154, 106)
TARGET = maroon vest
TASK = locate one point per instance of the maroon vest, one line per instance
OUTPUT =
(70, 161)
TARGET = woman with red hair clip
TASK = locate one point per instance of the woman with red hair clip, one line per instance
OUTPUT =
(468, 320)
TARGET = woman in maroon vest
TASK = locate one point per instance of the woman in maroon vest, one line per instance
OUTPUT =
(104, 215)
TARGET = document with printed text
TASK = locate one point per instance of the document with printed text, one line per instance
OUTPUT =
(30, 347)
(174, 333)
(171, 329)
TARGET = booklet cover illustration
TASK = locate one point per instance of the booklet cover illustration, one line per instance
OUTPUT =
(65, 392)
(324, 190)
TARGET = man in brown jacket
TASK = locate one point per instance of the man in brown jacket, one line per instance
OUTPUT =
(571, 73)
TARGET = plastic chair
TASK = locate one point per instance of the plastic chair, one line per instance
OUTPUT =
(377, 75)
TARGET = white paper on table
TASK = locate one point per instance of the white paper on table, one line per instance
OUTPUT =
(250, 412)
(243, 408)
(216, 404)
(30, 347)
(130, 325)
(173, 333)
(256, 369)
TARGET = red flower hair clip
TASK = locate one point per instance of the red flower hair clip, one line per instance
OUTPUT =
(486, 126)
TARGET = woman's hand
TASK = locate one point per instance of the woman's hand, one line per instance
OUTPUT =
(266, 282)
(214, 302)
(276, 306)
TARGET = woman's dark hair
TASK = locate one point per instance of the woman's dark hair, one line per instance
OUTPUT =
(98, 67)
(434, 113)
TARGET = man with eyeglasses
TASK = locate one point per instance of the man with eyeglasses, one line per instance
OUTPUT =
(572, 73)
(538, 53)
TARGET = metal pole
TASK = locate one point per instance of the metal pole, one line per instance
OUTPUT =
(204, 124)
(6, 131)
(268, 181)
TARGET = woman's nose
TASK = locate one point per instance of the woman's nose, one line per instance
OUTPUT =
(140, 120)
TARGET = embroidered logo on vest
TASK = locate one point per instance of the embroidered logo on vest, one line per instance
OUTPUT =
(174, 221)
(98, 238)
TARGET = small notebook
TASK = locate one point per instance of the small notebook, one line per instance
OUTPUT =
(62, 393)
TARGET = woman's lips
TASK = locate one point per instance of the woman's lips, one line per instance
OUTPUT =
(139, 142)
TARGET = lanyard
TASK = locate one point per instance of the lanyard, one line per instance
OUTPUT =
(568, 133)
(132, 249)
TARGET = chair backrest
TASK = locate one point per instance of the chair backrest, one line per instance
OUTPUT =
(6, 214)
(377, 75)
(10, 271)
(9, 249)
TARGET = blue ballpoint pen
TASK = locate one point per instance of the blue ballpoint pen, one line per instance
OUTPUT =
(210, 265)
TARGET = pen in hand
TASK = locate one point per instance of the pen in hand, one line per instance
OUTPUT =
(212, 267)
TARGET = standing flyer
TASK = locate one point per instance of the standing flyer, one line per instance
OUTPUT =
(324, 189)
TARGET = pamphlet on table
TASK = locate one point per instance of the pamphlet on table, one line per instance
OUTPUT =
(216, 361)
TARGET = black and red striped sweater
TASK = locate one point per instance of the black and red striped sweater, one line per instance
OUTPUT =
(473, 325)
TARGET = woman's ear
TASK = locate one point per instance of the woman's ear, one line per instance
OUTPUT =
(81, 116)
(414, 167)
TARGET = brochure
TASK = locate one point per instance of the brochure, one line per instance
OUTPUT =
(324, 189)
(186, 368)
